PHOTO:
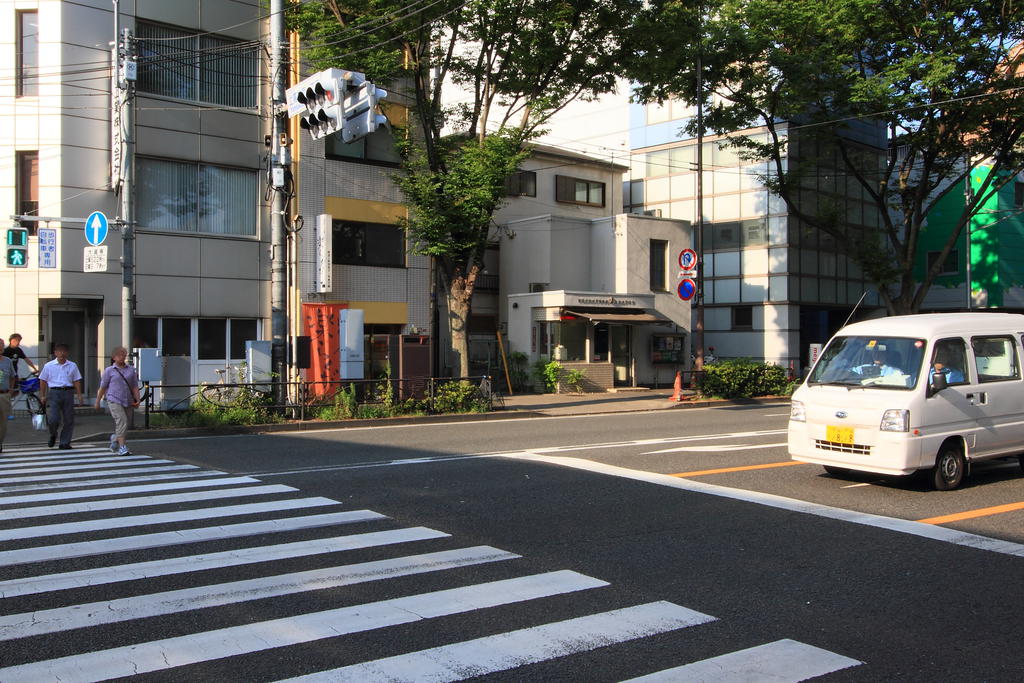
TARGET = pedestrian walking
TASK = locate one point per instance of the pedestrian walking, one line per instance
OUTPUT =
(57, 380)
(8, 385)
(16, 353)
(120, 386)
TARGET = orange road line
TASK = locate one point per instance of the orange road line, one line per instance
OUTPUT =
(700, 473)
(971, 514)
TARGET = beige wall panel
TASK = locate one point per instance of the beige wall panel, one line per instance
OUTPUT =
(167, 143)
(180, 12)
(167, 296)
(230, 259)
(217, 16)
(83, 167)
(87, 131)
(166, 254)
(231, 125)
(228, 152)
(228, 298)
(82, 25)
(163, 114)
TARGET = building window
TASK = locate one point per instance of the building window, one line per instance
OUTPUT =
(195, 66)
(188, 197)
(658, 265)
(742, 317)
(368, 244)
(578, 191)
(949, 266)
(27, 77)
(27, 179)
(521, 184)
(538, 287)
(376, 148)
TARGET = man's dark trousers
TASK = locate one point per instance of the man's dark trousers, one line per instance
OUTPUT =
(60, 414)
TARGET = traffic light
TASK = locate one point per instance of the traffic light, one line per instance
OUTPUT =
(319, 100)
(17, 248)
(361, 116)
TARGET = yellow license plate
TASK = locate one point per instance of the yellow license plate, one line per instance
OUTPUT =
(839, 434)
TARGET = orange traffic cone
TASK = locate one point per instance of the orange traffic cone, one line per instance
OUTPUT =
(677, 393)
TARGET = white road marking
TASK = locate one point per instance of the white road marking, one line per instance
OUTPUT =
(97, 464)
(135, 571)
(107, 457)
(931, 531)
(118, 490)
(108, 523)
(157, 540)
(500, 454)
(169, 653)
(784, 661)
(99, 473)
(776, 415)
(198, 597)
(855, 486)
(10, 455)
(112, 480)
(141, 501)
(506, 651)
(718, 448)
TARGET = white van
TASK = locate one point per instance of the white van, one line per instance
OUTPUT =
(917, 392)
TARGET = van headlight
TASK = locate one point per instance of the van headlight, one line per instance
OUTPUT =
(894, 420)
(796, 411)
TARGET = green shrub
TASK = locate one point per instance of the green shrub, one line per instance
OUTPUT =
(518, 369)
(547, 373)
(574, 379)
(459, 397)
(743, 378)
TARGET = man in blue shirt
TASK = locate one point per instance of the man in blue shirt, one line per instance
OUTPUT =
(953, 376)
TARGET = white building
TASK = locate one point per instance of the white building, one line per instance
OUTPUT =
(582, 283)
(202, 247)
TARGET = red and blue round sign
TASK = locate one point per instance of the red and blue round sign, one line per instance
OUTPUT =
(688, 259)
(687, 288)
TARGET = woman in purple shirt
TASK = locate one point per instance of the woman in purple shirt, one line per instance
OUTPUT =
(120, 386)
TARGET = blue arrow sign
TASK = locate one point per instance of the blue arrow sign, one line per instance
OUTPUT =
(96, 228)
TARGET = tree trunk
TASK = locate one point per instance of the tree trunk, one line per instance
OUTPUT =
(460, 292)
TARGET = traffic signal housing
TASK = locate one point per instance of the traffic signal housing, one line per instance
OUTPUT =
(319, 100)
(361, 115)
(17, 248)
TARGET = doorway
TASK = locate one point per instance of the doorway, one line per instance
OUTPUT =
(622, 354)
(68, 327)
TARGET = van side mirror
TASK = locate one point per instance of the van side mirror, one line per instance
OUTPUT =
(938, 383)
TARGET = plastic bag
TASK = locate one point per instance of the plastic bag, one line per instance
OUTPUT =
(39, 421)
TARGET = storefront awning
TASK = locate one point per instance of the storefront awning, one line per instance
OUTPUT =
(612, 316)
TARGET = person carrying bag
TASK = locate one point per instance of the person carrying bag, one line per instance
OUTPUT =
(120, 386)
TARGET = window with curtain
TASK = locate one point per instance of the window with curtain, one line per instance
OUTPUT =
(28, 183)
(189, 197)
(578, 191)
(658, 265)
(27, 73)
(184, 64)
(368, 244)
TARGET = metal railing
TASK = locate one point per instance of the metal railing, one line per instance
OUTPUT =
(313, 399)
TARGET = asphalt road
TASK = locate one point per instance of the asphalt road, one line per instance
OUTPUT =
(539, 549)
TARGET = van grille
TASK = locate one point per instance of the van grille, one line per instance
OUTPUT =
(834, 446)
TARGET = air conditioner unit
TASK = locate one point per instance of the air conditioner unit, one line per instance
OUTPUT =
(652, 212)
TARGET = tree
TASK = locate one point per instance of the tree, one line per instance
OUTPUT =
(937, 85)
(516, 63)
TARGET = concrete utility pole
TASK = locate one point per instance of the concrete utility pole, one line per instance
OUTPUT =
(124, 183)
(698, 241)
(280, 160)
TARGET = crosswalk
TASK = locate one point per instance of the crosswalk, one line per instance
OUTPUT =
(115, 567)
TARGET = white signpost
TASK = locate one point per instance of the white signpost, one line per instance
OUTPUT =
(94, 259)
(323, 236)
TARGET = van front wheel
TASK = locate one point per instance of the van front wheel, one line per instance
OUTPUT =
(949, 469)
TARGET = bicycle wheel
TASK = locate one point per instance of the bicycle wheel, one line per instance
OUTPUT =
(33, 404)
(219, 395)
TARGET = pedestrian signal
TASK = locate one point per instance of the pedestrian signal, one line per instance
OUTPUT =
(17, 248)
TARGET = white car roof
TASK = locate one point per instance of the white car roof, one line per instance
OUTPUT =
(928, 325)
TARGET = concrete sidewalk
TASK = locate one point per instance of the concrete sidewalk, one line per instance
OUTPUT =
(94, 426)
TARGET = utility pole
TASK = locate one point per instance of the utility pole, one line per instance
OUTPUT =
(280, 160)
(123, 166)
(698, 242)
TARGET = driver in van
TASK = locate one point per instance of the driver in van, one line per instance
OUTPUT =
(940, 367)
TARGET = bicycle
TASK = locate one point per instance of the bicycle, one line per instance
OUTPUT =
(28, 387)
(221, 394)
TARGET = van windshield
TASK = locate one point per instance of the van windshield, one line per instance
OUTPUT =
(877, 362)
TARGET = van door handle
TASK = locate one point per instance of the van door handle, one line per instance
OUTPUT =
(970, 398)
(981, 396)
